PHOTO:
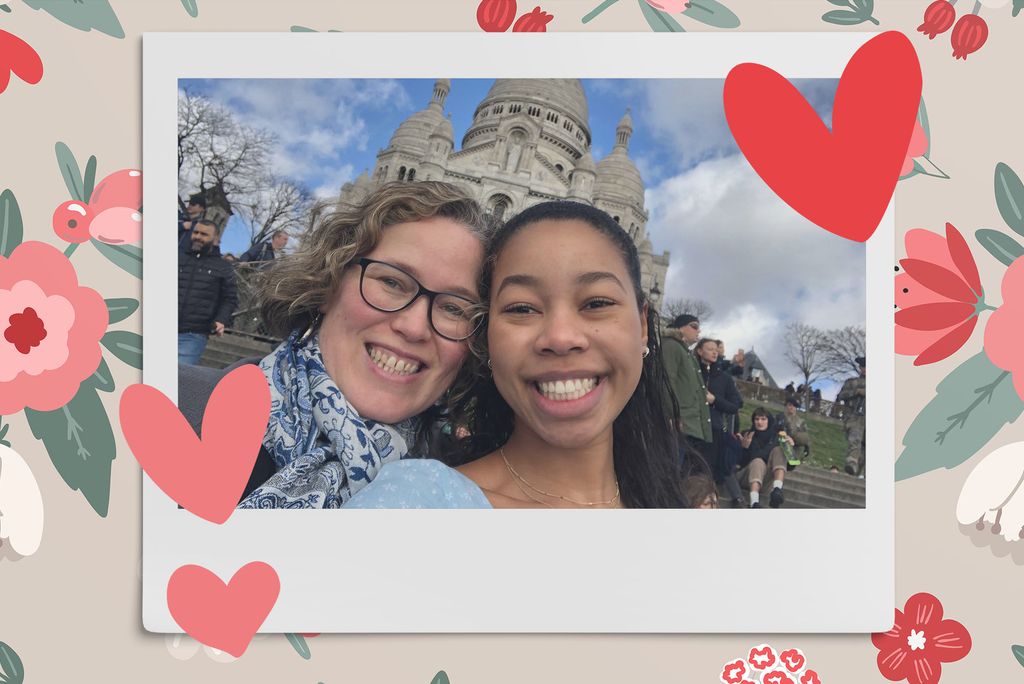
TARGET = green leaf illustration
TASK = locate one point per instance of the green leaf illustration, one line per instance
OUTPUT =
(126, 257)
(120, 309)
(659, 21)
(922, 115)
(69, 170)
(11, 669)
(1000, 245)
(3, 433)
(1010, 197)
(440, 678)
(7, 9)
(712, 13)
(89, 182)
(1018, 653)
(12, 230)
(191, 7)
(125, 345)
(843, 17)
(970, 406)
(1017, 6)
(84, 15)
(298, 642)
(80, 443)
(305, 29)
(101, 378)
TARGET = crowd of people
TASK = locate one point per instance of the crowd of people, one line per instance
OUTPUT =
(207, 286)
(431, 359)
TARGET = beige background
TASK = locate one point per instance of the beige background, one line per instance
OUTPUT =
(72, 611)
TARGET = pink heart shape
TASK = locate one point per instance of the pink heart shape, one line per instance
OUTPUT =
(218, 615)
(168, 450)
(840, 180)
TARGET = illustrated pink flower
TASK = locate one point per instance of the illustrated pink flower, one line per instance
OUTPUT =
(111, 215)
(533, 22)
(1002, 333)
(919, 642)
(938, 296)
(969, 34)
(937, 18)
(671, 6)
(918, 146)
(50, 329)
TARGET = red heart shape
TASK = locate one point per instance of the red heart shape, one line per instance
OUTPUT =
(840, 180)
(219, 615)
(793, 659)
(168, 450)
(19, 57)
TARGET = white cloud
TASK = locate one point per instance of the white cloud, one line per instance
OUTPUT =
(734, 243)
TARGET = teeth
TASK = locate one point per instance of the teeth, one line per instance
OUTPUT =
(392, 364)
(567, 390)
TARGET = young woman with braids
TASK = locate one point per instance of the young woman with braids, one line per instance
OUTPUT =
(566, 403)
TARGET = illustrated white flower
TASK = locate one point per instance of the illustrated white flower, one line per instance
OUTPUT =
(183, 647)
(21, 507)
(993, 493)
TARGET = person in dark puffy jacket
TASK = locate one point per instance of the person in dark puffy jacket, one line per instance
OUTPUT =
(206, 293)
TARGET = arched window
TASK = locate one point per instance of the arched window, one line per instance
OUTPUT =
(498, 206)
(412, 175)
(560, 168)
(401, 174)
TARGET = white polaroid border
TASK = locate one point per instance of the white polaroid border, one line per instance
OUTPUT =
(519, 570)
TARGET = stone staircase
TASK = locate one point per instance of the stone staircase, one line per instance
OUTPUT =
(810, 487)
(233, 346)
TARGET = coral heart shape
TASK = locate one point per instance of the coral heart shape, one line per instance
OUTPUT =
(223, 616)
(172, 455)
(841, 180)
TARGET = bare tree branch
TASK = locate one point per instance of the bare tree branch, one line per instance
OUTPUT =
(805, 350)
(840, 349)
(695, 307)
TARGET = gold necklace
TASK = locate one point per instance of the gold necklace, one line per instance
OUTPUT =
(519, 478)
(528, 495)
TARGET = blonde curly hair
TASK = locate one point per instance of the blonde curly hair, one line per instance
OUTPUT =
(298, 286)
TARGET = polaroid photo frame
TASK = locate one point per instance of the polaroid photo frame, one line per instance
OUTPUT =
(601, 571)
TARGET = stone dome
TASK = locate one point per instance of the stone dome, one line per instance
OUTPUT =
(618, 178)
(564, 94)
(412, 134)
(445, 130)
(586, 163)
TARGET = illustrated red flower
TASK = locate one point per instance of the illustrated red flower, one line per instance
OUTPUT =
(761, 657)
(733, 672)
(969, 34)
(50, 327)
(937, 18)
(938, 296)
(919, 642)
(111, 215)
(533, 22)
(19, 58)
(495, 15)
(1002, 332)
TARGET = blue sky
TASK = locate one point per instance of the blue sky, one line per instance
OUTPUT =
(732, 242)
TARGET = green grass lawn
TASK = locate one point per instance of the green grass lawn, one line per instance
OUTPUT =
(828, 440)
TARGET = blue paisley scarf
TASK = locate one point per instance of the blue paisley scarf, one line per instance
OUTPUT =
(324, 451)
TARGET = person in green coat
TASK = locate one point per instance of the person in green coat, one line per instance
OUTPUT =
(687, 384)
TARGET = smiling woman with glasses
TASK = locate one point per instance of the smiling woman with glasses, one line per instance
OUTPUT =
(375, 307)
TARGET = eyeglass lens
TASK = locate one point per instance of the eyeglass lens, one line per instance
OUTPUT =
(387, 288)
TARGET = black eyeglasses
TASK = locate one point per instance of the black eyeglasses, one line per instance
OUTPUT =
(390, 289)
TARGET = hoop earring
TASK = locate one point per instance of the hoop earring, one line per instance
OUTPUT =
(489, 367)
(646, 352)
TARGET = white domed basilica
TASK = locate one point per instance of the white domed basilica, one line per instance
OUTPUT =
(529, 142)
